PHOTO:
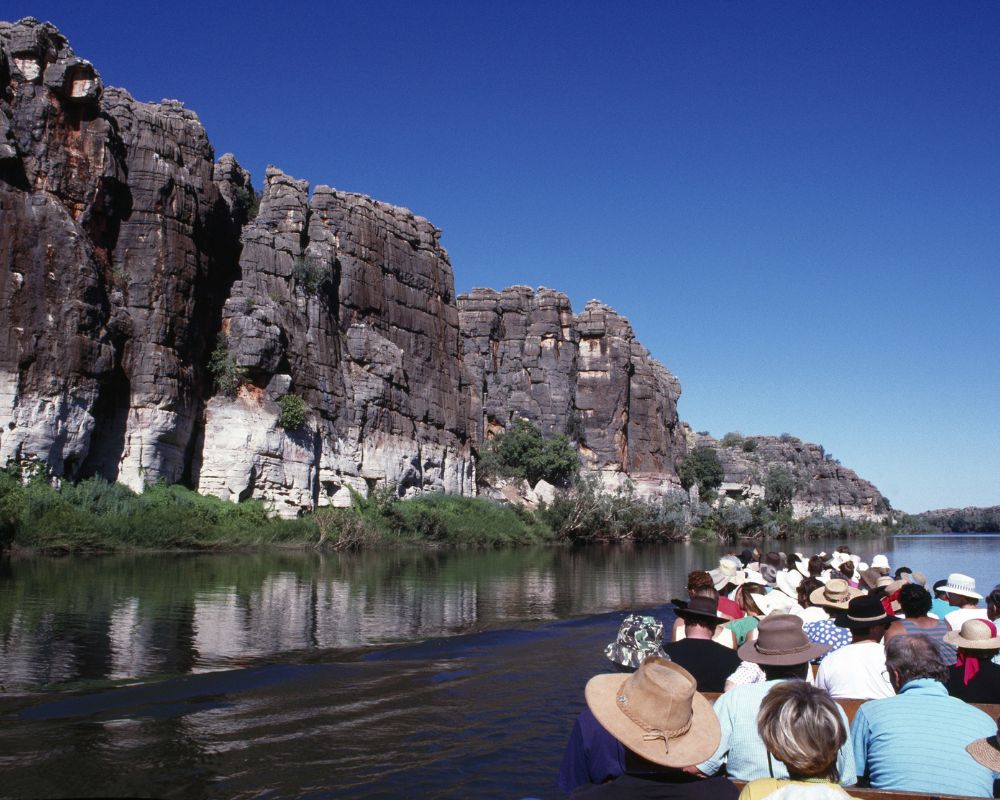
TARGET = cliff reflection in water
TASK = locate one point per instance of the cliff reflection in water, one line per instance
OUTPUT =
(122, 618)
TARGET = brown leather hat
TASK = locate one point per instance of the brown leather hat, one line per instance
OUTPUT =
(781, 641)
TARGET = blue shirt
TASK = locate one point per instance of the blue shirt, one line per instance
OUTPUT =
(915, 742)
(741, 748)
(592, 754)
(826, 631)
(941, 607)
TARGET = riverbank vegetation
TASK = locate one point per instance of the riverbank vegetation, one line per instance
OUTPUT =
(94, 515)
(97, 516)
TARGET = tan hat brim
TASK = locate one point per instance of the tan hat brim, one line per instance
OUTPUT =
(985, 753)
(749, 652)
(817, 598)
(955, 638)
(699, 742)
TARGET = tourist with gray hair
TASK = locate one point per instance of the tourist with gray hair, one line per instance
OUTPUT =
(892, 748)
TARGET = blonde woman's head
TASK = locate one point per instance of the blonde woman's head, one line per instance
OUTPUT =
(801, 726)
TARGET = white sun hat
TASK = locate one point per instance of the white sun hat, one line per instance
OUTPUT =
(961, 584)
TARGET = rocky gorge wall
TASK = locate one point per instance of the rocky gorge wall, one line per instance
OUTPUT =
(822, 484)
(133, 264)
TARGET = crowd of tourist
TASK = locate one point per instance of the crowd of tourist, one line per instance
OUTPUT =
(780, 638)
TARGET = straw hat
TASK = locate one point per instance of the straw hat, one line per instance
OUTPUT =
(656, 713)
(837, 593)
(638, 637)
(750, 576)
(986, 751)
(918, 578)
(975, 634)
(781, 641)
(961, 584)
(863, 612)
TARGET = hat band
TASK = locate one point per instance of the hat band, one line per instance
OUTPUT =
(836, 597)
(651, 733)
(867, 619)
(782, 651)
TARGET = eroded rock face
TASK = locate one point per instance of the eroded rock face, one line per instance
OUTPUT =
(822, 484)
(126, 250)
(584, 375)
(118, 250)
(347, 303)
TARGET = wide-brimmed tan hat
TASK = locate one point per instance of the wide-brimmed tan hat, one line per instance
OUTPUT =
(836, 593)
(975, 634)
(781, 641)
(986, 751)
(656, 712)
(961, 584)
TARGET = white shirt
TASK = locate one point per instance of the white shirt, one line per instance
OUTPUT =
(960, 615)
(855, 671)
(811, 614)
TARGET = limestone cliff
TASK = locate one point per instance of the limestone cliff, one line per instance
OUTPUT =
(822, 484)
(134, 266)
(585, 375)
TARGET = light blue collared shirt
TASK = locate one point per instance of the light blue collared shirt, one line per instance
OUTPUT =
(743, 751)
(915, 742)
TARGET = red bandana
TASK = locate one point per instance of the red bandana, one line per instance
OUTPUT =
(971, 662)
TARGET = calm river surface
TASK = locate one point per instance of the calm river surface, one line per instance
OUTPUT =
(401, 674)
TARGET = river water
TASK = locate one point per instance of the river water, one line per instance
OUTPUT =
(399, 674)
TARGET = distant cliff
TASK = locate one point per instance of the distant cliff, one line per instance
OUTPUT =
(159, 312)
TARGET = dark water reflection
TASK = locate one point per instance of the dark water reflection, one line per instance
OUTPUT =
(297, 674)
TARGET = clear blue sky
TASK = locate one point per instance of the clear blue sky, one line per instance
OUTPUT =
(796, 204)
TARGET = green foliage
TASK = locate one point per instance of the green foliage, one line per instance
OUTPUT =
(749, 445)
(589, 513)
(222, 366)
(292, 414)
(311, 274)
(732, 439)
(701, 467)
(779, 488)
(97, 515)
(522, 452)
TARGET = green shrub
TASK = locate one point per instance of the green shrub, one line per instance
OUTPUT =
(311, 274)
(732, 439)
(222, 366)
(701, 467)
(779, 488)
(292, 414)
(522, 452)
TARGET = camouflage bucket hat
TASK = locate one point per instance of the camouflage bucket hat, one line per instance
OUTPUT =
(638, 637)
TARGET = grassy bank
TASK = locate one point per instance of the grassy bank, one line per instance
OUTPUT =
(96, 516)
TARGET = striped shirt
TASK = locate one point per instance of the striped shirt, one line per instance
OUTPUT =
(915, 742)
(741, 748)
(936, 634)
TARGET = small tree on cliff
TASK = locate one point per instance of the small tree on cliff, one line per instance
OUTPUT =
(522, 452)
(779, 488)
(701, 467)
